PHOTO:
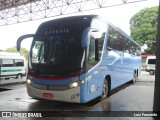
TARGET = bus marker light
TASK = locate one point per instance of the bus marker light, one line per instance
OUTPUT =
(48, 95)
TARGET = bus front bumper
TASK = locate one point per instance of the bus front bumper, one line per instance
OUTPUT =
(69, 95)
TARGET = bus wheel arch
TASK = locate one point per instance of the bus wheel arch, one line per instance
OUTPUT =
(19, 76)
(106, 87)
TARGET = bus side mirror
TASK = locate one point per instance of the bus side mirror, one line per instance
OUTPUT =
(20, 39)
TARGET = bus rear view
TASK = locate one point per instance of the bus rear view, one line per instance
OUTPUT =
(70, 61)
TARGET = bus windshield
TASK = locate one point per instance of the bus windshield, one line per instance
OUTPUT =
(58, 52)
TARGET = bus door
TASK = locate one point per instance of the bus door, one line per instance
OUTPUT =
(94, 56)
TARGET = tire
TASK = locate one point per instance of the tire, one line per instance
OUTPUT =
(19, 76)
(134, 78)
(105, 89)
(151, 72)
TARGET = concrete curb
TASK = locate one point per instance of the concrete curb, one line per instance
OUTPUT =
(12, 82)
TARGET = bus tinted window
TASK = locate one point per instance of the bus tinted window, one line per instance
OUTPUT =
(114, 41)
(54, 49)
(7, 63)
(117, 41)
(37, 51)
(95, 48)
(19, 62)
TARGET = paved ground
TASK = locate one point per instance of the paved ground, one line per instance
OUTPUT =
(145, 76)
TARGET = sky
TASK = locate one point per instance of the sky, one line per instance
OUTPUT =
(119, 16)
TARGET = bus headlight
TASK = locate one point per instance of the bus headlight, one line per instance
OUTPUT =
(73, 85)
(29, 81)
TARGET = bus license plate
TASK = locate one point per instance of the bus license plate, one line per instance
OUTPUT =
(48, 95)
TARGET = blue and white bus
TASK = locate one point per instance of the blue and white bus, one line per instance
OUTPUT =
(77, 59)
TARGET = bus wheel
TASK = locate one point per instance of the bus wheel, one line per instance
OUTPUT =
(105, 89)
(19, 76)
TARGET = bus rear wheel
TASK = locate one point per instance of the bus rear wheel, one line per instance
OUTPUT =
(105, 89)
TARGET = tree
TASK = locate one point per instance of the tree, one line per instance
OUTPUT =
(143, 27)
(23, 51)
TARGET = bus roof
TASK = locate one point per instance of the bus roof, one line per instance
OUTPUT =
(9, 54)
(61, 23)
(69, 18)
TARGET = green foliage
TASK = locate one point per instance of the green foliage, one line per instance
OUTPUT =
(23, 51)
(143, 27)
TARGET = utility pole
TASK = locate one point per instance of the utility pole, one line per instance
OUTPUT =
(156, 102)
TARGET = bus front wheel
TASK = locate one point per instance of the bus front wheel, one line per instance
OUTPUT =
(105, 89)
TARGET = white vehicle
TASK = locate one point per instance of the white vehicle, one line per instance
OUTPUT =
(12, 65)
(150, 64)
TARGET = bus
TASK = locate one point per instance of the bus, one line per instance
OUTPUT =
(79, 58)
(12, 65)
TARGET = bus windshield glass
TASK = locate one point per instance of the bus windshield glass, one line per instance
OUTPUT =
(58, 51)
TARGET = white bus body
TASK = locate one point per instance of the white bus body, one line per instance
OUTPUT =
(150, 64)
(12, 65)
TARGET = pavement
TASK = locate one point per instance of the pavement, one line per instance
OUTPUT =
(145, 76)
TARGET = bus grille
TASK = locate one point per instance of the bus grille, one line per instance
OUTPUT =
(51, 88)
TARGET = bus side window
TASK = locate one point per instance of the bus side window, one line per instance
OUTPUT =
(114, 40)
(91, 55)
(7, 63)
(95, 48)
(19, 62)
(118, 42)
